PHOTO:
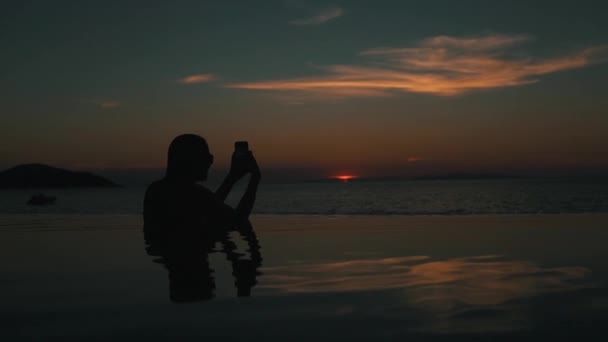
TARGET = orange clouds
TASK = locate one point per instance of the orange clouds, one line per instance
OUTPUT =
(199, 78)
(441, 65)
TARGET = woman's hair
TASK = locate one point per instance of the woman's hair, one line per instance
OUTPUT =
(186, 160)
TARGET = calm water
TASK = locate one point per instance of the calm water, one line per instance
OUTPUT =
(444, 197)
(339, 262)
(321, 278)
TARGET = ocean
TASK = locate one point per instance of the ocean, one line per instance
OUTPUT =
(358, 261)
(356, 197)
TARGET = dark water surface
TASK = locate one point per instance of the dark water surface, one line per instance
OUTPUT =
(429, 197)
(360, 278)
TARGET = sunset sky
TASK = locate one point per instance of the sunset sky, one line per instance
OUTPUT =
(363, 87)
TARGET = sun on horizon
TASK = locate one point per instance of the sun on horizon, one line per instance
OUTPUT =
(344, 177)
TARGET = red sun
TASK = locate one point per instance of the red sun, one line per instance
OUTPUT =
(344, 178)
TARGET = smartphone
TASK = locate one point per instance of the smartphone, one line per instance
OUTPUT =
(241, 148)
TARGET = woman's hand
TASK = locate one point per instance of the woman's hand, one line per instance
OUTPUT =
(243, 164)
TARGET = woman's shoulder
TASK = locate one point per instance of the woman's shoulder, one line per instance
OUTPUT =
(203, 193)
(168, 185)
(154, 187)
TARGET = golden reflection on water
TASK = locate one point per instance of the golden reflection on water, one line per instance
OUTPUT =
(447, 289)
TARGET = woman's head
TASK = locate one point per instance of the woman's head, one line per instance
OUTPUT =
(188, 159)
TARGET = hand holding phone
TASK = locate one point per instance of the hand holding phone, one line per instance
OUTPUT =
(243, 161)
(241, 149)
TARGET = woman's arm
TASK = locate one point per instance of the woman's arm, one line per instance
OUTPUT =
(239, 168)
(243, 210)
(222, 192)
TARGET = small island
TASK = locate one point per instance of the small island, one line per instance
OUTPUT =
(31, 176)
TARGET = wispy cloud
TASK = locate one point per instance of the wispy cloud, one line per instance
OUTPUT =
(414, 159)
(323, 16)
(108, 104)
(199, 78)
(441, 65)
(105, 104)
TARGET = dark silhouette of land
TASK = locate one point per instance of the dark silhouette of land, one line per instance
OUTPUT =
(183, 220)
(468, 176)
(29, 176)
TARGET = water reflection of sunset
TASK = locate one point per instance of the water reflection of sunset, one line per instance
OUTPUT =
(446, 289)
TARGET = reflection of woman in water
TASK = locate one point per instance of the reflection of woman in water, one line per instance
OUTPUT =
(183, 219)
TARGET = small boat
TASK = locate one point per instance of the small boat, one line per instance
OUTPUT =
(41, 199)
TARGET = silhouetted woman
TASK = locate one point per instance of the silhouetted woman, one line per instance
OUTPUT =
(183, 219)
(180, 201)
